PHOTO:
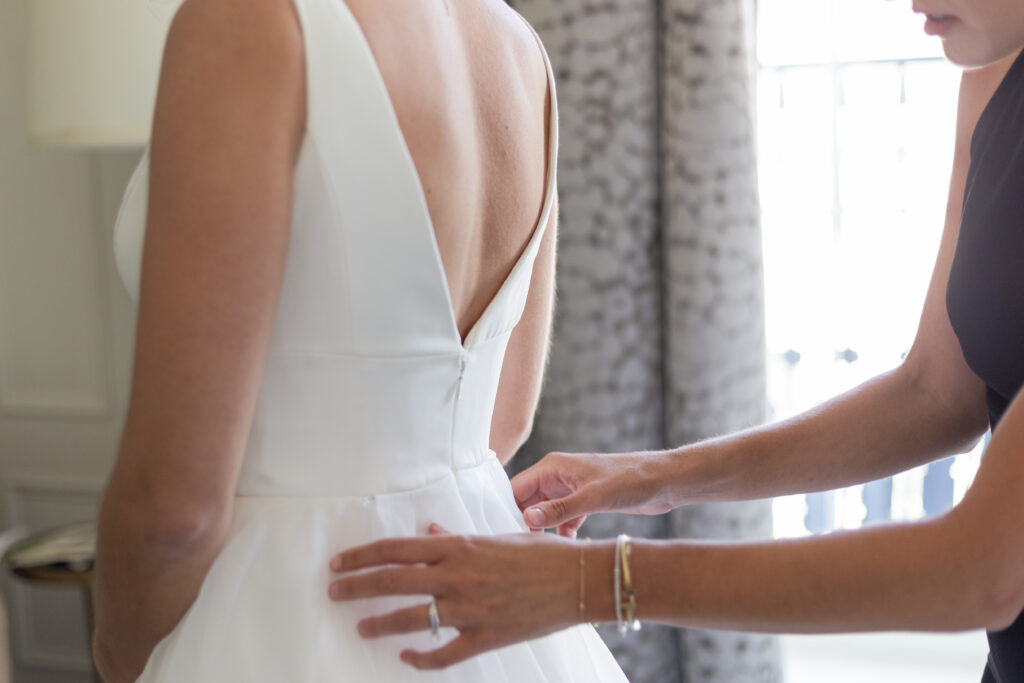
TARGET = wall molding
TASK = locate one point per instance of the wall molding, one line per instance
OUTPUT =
(98, 406)
(54, 409)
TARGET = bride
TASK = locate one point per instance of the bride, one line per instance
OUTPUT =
(341, 243)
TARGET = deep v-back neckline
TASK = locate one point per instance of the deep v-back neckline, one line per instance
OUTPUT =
(551, 142)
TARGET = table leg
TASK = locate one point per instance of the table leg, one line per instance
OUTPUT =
(89, 623)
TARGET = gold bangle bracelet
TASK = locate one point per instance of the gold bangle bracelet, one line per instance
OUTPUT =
(628, 594)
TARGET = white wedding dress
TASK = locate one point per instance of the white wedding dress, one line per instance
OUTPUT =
(373, 416)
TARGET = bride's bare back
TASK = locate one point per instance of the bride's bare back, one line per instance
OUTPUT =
(469, 85)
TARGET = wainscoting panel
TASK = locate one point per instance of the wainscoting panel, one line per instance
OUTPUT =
(54, 319)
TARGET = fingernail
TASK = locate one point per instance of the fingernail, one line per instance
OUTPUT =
(535, 516)
(336, 564)
(335, 591)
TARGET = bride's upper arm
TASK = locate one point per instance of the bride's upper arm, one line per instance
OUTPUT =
(229, 120)
(522, 372)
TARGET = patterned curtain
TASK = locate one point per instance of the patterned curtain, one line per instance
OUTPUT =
(659, 328)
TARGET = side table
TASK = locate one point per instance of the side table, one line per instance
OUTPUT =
(61, 556)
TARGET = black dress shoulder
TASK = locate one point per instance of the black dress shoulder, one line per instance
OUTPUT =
(985, 294)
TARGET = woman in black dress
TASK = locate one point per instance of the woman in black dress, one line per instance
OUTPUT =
(964, 374)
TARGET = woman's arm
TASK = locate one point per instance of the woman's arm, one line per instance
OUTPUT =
(929, 407)
(957, 572)
(228, 123)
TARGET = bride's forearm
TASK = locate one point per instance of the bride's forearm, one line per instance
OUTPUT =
(883, 426)
(146, 578)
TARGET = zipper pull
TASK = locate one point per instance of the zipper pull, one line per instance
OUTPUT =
(462, 372)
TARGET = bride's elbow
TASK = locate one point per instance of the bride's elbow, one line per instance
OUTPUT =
(179, 525)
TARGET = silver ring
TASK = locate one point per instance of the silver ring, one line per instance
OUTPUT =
(435, 621)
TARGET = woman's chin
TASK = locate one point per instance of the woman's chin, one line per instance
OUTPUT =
(965, 58)
(973, 54)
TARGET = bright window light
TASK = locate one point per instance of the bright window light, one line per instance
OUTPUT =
(856, 113)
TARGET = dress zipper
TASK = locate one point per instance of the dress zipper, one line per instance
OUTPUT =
(455, 408)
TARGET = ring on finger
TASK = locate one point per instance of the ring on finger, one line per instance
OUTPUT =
(435, 620)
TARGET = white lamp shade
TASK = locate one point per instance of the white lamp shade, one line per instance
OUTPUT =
(94, 66)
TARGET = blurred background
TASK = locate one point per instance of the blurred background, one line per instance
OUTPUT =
(752, 196)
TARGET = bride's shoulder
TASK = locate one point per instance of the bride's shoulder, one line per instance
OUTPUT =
(222, 56)
(524, 42)
(247, 40)
(279, 16)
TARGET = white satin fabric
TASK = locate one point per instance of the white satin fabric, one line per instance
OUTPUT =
(373, 416)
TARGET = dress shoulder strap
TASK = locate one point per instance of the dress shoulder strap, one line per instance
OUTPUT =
(552, 131)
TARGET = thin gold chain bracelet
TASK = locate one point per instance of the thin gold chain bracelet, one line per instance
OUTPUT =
(583, 579)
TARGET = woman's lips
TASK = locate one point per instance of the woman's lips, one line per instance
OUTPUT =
(938, 24)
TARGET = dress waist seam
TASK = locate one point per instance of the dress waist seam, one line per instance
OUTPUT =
(490, 456)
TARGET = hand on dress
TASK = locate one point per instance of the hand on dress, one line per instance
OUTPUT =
(496, 590)
(563, 488)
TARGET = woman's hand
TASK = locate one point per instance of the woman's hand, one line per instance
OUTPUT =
(563, 488)
(495, 590)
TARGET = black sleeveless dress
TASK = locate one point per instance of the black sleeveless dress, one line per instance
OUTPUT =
(985, 295)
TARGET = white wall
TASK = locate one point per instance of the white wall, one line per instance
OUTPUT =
(66, 330)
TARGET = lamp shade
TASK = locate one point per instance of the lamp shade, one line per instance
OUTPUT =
(94, 66)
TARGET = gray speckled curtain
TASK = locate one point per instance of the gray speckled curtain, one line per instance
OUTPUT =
(659, 323)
